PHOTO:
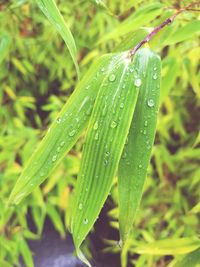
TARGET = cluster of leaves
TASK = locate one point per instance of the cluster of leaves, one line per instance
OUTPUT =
(37, 76)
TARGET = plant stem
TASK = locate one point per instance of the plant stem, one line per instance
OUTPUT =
(162, 25)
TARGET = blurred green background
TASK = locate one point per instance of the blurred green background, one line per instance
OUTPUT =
(37, 76)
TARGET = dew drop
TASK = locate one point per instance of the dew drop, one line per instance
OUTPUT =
(85, 221)
(88, 112)
(145, 123)
(106, 162)
(58, 149)
(140, 166)
(80, 206)
(155, 76)
(72, 133)
(58, 120)
(62, 143)
(54, 158)
(42, 173)
(144, 132)
(121, 105)
(113, 124)
(112, 78)
(150, 103)
(138, 82)
(95, 127)
(154, 68)
(103, 69)
(131, 69)
(96, 137)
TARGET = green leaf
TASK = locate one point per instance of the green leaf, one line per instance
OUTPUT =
(139, 18)
(26, 253)
(106, 136)
(171, 67)
(190, 260)
(51, 11)
(137, 151)
(184, 33)
(56, 219)
(63, 133)
(5, 41)
(169, 246)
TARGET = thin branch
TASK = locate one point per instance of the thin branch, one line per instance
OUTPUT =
(162, 25)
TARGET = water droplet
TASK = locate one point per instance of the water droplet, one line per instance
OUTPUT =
(138, 82)
(154, 68)
(124, 155)
(140, 166)
(145, 123)
(95, 127)
(85, 221)
(42, 173)
(105, 161)
(62, 143)
(96, 176)
(58, 120)
(123, 86)
(121, 105)
(87, 87)
(113, 124)
(88, 112)
(107, 153)
(112, 77)
(54, 158)
(155, 76)
(144, 132)
(96, 137)
(131, 69)
(80, 206)
(120, 243)
(102, 69)
(72, 133)
(58, 149)
(150, 103)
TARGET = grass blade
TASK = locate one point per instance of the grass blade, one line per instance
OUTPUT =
(63, 133)
(190, 260)
(51, 11)
(5, 41)
(169, 246)
(106, 136)
(139, 18)
(137, 151)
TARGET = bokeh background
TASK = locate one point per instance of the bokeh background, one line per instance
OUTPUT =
(37, 76)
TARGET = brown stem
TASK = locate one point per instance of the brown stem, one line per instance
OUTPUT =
(162, 25)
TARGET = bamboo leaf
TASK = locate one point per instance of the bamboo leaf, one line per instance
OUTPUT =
(51, 11)
(137, 151)
(26, 253)
(139, 18)
(106, 136)
(5, 41)
(63, 133)
(169, 246)
(184, 33)
(190, 260)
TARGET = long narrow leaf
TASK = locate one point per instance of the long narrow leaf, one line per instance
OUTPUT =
(5, 41)
(106, 136)
(170, 246)
(63, 133)
(139, 18)
(137, 151)
(51, 11)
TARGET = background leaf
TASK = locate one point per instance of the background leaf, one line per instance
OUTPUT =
(51, 11)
